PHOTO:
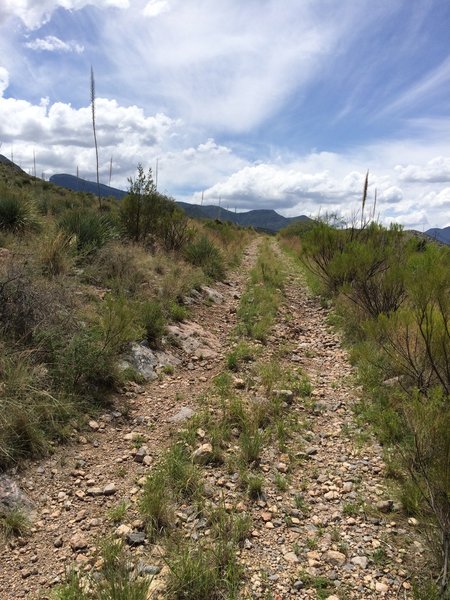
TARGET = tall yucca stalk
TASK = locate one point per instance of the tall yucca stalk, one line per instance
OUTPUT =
(95, 134)
(364, 198)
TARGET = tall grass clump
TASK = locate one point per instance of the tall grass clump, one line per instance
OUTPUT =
(32, 414)
(174, 478)
(210, 569)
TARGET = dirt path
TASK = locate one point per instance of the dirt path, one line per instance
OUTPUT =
(73, 490)
(335, 532)
(324, 527)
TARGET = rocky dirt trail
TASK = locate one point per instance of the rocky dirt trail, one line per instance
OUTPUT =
(335, 532)
(72, 492)
(326, 526)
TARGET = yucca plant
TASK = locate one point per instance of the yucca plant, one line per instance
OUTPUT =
(17, 215)
(91, 230)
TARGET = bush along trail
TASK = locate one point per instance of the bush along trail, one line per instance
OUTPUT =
(239, 473)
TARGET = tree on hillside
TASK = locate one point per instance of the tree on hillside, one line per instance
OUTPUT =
(144, 211)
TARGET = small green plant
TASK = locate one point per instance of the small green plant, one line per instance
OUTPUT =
(72, 589)
(203, 572)
(156, 504)
(351, 509)
(168, 370)
(255, 486)
(222, 384)
(243, 352)
(281, 482)
(312, 543)
(300, 504)
(379, 556)
(14, 522)
(116, 580)
(117, 513)
(138, 440)
(182, 475)
(251, 444)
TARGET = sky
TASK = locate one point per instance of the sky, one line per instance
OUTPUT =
(281, 104)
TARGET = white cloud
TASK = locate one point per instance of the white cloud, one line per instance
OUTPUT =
(287, 186)
(421, 90)
(391, 195)
(34, 13)
(52, 43)
(156, 7)
(436, 170)
(439, 199)
(227, 67)
(61, 137)
(4, 80)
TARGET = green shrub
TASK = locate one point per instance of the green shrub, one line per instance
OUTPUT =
(91, 230)
(145, 213)
(83, 361)
(400, 292)
(203, 253)
(154, 322)
(116, 266)
(177, 312)
(174, 231)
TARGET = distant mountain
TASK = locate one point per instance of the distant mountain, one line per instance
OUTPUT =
(441, 235)
(268, 220)
(10, 163)
(77, 184)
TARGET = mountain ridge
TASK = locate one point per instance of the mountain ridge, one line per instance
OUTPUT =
(265, 219)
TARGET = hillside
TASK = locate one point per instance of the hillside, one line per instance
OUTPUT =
(77, 184)
(441, 235)
(9, 163)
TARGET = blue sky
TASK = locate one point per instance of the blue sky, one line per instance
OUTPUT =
(264, 104)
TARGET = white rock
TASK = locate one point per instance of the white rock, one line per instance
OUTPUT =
(360, 561)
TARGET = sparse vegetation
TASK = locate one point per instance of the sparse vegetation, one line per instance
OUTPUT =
(392, 295)
(115, 580)
(77, 286)
(259, 304)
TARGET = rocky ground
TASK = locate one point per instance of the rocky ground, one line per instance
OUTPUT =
(325, 527)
